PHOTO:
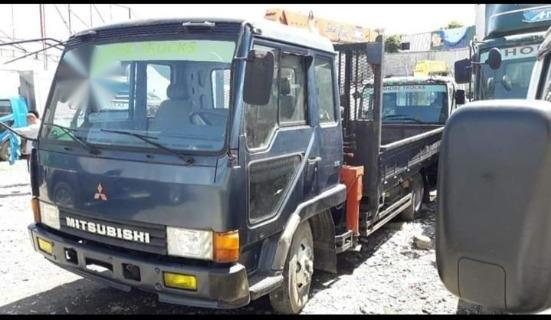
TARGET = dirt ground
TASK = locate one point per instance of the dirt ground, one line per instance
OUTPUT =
(389, 275)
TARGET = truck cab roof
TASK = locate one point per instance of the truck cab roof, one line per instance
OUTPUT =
(415, 80)
(265, 28)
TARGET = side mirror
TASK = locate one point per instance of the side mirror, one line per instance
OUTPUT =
(494, 59)
(459, 97)
(259, 75)
(462, 71)
(492, 225)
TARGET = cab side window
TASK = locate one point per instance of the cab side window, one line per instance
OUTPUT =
(5, 107)
(292, 90)
(220, 80)
(158, 78)
(261, 121)
(324, 89)
(288, 101)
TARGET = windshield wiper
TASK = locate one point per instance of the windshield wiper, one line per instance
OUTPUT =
(5, 126)
(147, 139)
(69, 131)
(401, 117)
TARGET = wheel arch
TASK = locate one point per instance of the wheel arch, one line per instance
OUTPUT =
(317, 211)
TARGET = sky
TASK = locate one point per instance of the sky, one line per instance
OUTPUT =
(394, 18)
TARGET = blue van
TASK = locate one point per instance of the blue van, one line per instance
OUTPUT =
(13, 112)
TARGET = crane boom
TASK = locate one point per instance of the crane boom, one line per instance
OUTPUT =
(337, 32)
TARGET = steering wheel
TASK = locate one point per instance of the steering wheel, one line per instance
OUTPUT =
(208, 118)
(198, 118)
(507, 83)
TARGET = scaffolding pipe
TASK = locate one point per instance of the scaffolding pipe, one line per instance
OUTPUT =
(43, 33)
(69, 13)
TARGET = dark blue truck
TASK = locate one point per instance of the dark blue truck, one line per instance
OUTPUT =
(214, 177)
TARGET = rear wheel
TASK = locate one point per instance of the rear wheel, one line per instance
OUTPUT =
(293, 294)
(5, 150)
(417, 193)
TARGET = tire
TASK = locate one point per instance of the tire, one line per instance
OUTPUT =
(417, 196)
(293, 294)
(5, 151)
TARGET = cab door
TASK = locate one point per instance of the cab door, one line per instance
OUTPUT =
(329, 128)
(280, 141)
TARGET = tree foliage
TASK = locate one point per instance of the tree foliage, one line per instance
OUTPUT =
(453, 24)
(392, 43)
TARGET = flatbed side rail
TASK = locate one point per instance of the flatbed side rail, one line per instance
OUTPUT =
(419, 137)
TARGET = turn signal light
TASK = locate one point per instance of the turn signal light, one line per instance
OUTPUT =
(226, 246)
(36, 209)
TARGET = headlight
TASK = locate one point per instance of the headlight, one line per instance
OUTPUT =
(49, 215)
(189, 243)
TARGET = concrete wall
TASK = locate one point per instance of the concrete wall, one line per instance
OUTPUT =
(418, 41)
(403, 63)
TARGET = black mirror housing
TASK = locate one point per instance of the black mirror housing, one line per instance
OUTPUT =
(493, 220)
(494, 59)
(462, 71)
(459, 96)
(259, 74)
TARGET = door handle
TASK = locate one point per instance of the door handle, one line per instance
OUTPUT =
(314, 160)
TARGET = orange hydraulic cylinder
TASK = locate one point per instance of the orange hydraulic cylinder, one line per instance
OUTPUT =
(352, 178)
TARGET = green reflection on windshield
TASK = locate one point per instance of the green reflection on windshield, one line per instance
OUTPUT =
(191, 50)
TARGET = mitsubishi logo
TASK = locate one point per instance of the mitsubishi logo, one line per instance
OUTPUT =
(100, 195)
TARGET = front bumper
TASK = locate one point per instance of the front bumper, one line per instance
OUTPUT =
(221, 288)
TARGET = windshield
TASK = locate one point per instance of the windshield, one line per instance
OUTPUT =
(415, 103)
(173, 91)
(512, 79)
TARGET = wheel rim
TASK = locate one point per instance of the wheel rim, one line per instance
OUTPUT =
(6, 151)
(304, 268)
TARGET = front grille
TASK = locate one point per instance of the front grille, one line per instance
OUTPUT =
(157, 233)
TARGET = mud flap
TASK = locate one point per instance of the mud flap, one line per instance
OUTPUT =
(323, 231)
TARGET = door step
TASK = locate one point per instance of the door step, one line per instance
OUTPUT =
(344, 241)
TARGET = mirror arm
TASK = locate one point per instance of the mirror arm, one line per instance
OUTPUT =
(243, 59)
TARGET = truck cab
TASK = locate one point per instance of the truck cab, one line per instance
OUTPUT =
(195, 159)
(515, 30)
(400, 143)
(413, 105)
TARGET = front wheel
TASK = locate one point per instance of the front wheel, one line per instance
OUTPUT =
(5, 150)
(417, 192)
(293, 294)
